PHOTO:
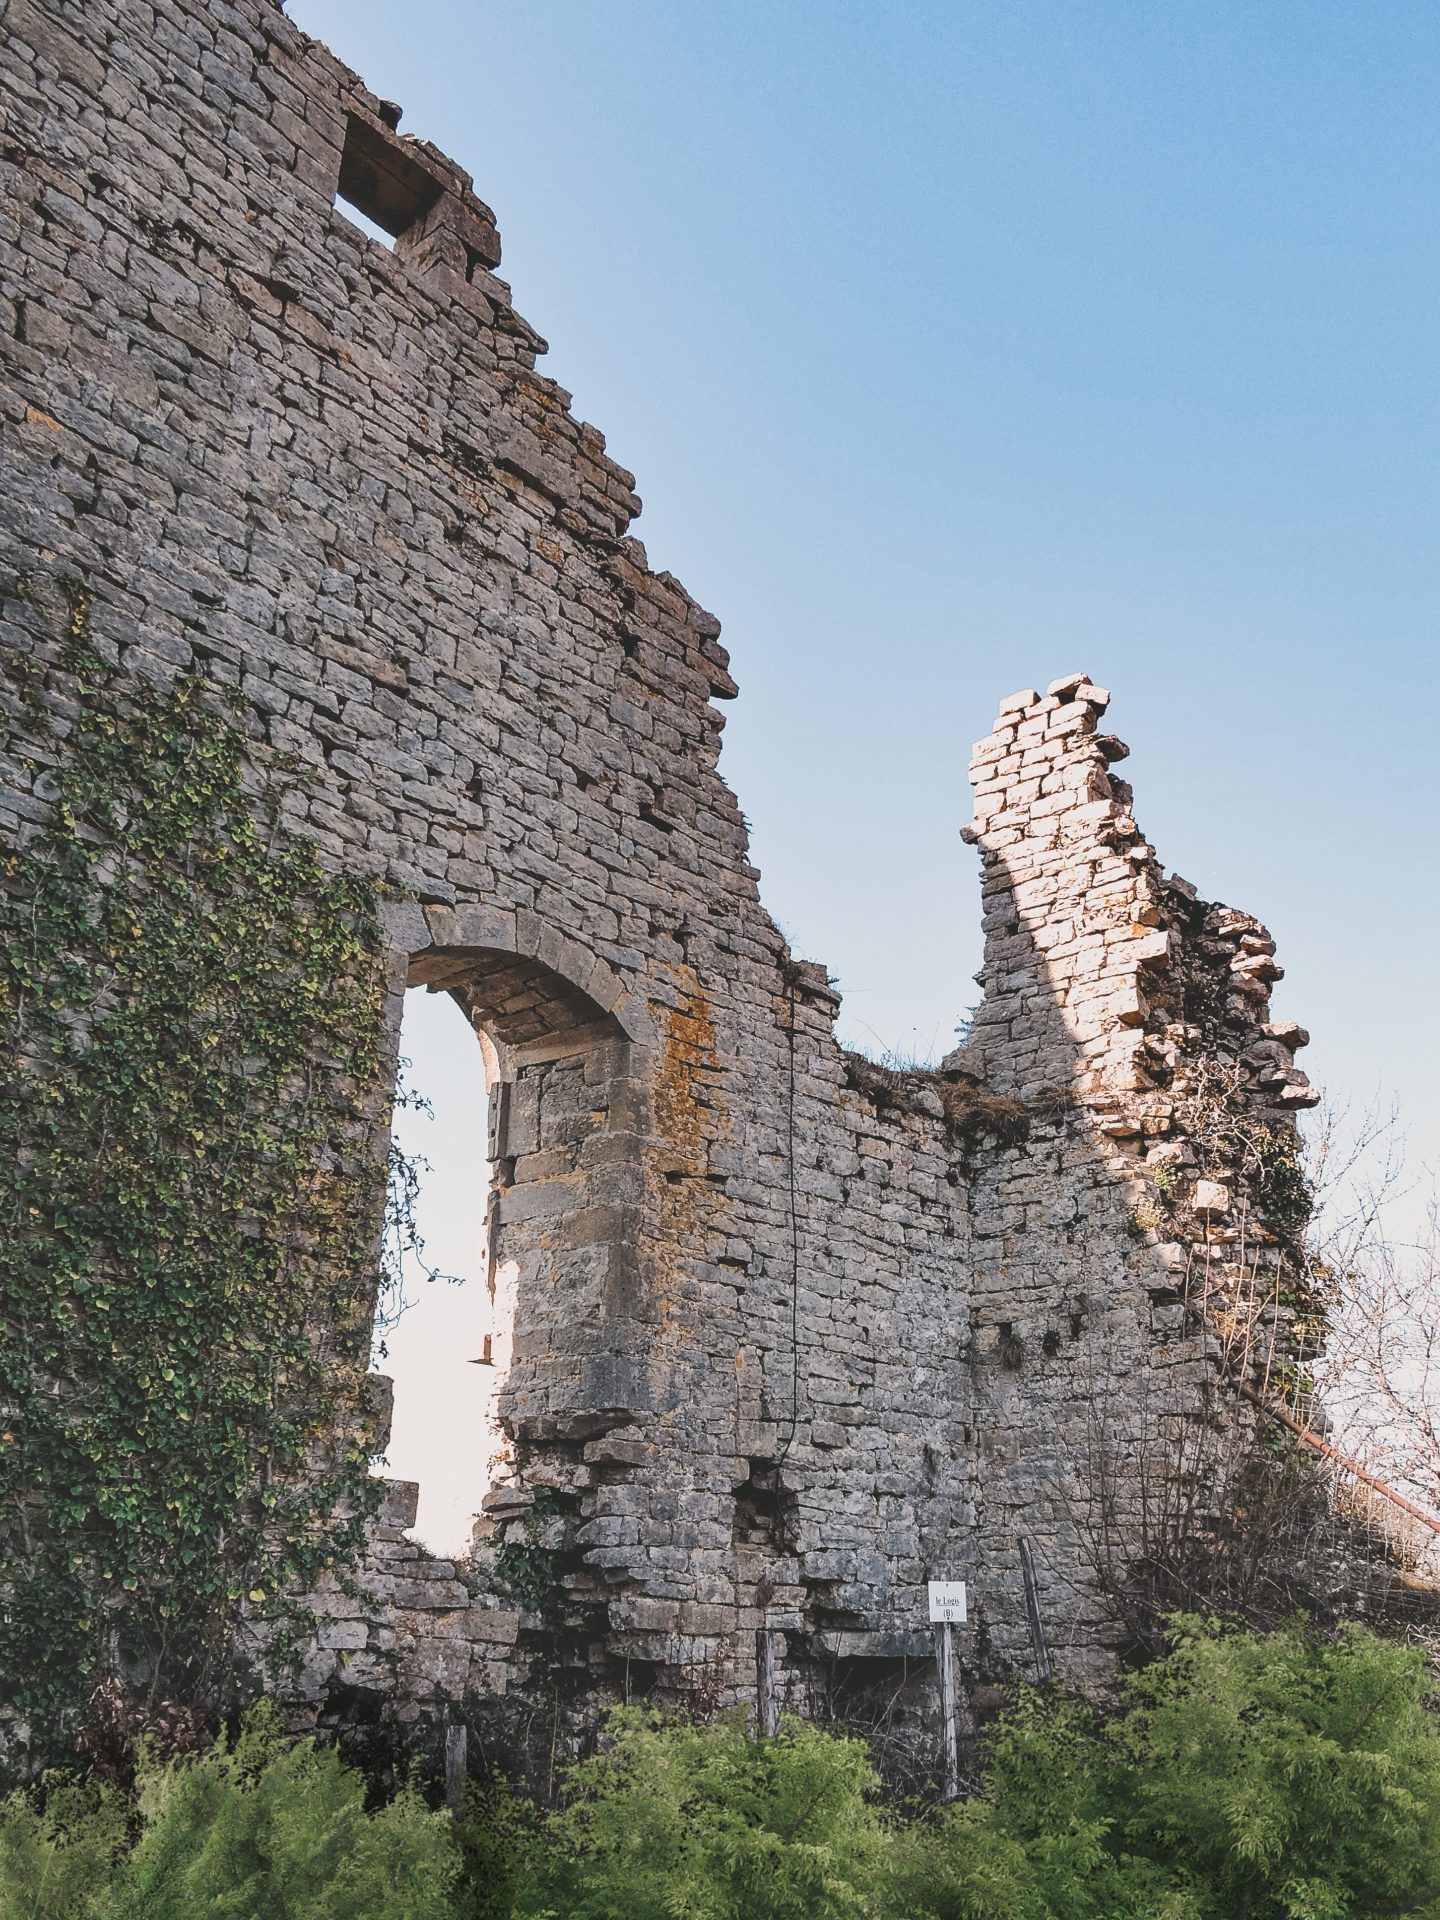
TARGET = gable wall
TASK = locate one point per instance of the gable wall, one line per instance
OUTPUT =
(831, 1333)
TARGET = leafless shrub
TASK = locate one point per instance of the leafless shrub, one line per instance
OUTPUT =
(888, 1703)
(118, 1723)
(1215, 1488)
(1379, 1374)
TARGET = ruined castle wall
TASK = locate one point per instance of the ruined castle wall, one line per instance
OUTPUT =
(792, 1335)
(1135, 1018)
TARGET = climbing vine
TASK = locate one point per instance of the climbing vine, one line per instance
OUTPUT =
(402, 1245)
(525, 1568)
(190, 1013)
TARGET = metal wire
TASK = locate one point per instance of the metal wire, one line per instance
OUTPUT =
(794, 1225)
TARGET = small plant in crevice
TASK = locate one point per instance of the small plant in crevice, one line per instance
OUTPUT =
(190, 1192)
(1268, 1155)
(1285, 1199)
(1203, 996)
(968, 1107)
(1168, 1182)
(1141, 1221)
(526, 1568)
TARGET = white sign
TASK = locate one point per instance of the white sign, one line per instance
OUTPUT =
(947, 1601)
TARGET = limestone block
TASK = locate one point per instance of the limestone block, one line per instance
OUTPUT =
(400, 1503)
(1211, 1198)
(343, 1634)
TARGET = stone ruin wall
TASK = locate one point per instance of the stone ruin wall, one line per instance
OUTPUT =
(794, 1333)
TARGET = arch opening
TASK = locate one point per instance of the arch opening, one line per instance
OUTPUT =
(501, 1383)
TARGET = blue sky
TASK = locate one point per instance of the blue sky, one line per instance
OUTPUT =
(956, 347)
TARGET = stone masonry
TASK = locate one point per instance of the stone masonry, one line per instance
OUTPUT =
(793, 1333)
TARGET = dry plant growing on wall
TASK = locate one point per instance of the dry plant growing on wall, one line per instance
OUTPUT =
(885, 1703)
(1200, 1493)
(1189, 1500)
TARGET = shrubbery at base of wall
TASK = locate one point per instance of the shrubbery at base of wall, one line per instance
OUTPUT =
(1246, 1777)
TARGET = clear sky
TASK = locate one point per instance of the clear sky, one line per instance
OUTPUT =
(958, 346)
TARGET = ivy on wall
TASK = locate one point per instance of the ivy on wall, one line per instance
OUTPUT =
(191, 1044)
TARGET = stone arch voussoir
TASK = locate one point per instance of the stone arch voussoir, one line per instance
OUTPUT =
(499, 957)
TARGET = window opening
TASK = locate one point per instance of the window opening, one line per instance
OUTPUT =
(370, 228)
(442, 1335)
(381, 183)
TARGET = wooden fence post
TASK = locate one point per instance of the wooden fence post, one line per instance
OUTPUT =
(949, 1712)
(767, 1689)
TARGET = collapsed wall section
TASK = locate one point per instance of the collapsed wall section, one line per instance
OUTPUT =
(1148, 1239)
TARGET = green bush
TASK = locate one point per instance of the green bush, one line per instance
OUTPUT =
(1246, 1776)
(1038, 1844)
(58, 1850)
(1250, 1777)
(498, 1839)
(259, 1828)
(671, 1820)
(1287, 1777)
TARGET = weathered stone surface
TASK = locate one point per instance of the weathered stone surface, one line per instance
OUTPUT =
(790, 1338)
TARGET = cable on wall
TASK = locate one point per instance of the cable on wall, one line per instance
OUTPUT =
(783, 1454)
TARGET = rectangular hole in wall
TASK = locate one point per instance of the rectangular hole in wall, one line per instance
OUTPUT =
(381, 188)
(363, 221)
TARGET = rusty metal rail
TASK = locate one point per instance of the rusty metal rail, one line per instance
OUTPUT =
(1324, 1447)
